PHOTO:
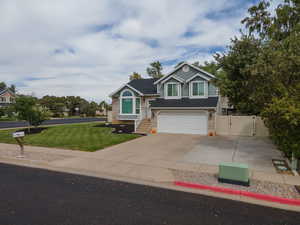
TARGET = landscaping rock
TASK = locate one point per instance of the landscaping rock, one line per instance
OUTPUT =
(262, 187)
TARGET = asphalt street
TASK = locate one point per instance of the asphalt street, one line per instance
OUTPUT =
(39, 197)
(14, 124)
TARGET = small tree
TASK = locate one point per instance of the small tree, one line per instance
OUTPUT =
(2, 85)
(39, 115)
(27, 109)
(135, 76)
(13, 88)
(155, 70)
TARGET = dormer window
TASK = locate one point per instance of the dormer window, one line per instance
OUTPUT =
(197, 89)
(172, 90)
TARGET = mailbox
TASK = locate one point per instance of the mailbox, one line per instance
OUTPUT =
(18, 134)
(19, 138)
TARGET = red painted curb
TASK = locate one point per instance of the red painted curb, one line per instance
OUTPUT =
(264, 197)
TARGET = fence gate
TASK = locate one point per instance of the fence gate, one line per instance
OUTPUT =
(240, 125)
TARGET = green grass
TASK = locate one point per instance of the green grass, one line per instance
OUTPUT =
(7, 119)
(84, 137)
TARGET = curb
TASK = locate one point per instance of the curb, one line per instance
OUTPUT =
(269, 198)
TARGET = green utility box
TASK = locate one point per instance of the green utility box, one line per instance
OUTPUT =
(234, 173)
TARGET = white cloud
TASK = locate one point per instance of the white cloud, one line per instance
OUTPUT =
(89, 48)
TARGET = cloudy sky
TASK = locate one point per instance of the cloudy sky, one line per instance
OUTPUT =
(89, 48)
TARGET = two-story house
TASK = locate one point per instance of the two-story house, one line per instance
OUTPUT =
(183, 101)
(6, 97)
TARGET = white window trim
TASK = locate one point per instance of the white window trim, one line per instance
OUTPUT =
(166, 90)
(197, 75)
(191, 89)
(127, 86)
(133, 97)
(172, 77)
(140, 105)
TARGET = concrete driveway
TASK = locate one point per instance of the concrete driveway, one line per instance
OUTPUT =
(257, 152)
(147, 158)
(167, 149)
(154, 157)
(150, 149)
(178, 149)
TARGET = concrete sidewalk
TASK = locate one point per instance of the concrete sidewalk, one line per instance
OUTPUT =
(126, 166)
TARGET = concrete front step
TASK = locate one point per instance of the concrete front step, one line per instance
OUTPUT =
(144, 127)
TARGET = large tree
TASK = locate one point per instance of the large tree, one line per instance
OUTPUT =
(57, 105)
(237, 83)
(209, 66)
(263, 71)
(155, 70)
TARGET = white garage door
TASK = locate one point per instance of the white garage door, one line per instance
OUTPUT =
(182, 122)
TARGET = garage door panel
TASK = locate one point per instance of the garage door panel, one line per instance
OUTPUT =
(176, 122)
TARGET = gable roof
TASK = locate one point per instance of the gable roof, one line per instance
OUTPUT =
(170, 77)
(141, 86)
(2, 91)
(196, 75)
(145, 86)
(180, 66)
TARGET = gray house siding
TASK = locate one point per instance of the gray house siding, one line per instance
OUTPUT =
(185, 86)
(185, 75)
(212, 90)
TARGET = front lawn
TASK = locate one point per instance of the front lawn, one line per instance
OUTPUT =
(85, 137)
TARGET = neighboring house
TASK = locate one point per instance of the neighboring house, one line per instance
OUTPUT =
(183, 101)
(6, 97)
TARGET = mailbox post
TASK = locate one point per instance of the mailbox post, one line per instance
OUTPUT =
(19, 138)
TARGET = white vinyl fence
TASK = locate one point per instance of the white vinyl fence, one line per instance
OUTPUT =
(241, 126)
(109, 116)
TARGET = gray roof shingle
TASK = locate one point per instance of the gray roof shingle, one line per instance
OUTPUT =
(185, 102)
(146, 86)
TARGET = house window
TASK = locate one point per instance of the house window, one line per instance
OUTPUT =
(127, 94)
(173, 90)
(137, 105)
(197, 89)
(127, 98)
(3, 99)
(129, 104)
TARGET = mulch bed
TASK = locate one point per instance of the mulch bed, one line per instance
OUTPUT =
(34, 130)
(119, 128)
